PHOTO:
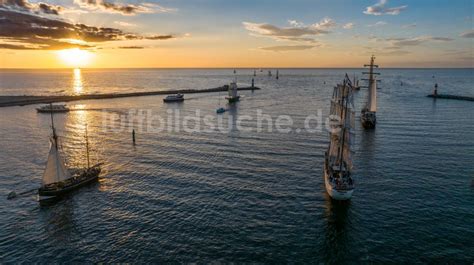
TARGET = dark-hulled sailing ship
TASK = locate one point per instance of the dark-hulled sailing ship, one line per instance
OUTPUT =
(57, 178)
(368, 113)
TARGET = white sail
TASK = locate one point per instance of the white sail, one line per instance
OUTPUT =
(55, 167)
(372, 102)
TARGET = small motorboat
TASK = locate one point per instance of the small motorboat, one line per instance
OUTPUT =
(174, 98)
(220, 110)
(52, 108)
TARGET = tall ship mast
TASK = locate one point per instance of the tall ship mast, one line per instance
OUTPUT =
(338, 158)
(368, 117)
(57, 179)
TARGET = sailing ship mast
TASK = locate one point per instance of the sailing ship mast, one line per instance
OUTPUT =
(368, 116)
(55, 170)
(55, 139)
(87, 149)
(342, 107)
(372, 95)
(343, 118)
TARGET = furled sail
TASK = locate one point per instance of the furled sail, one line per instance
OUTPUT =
(55, 167)
(347, 149)
(372, 102)
(342, 132)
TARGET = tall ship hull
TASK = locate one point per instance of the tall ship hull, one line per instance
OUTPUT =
(368, 119)
(233, 99)
(341, 193)
(59, 189)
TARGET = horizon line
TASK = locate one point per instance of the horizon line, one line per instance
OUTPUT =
(260, 67)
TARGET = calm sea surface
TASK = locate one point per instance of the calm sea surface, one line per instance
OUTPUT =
(241, 196)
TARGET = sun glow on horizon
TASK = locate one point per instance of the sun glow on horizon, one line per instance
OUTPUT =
(75, 57)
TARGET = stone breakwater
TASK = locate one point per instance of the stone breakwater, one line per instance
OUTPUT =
(7, 101)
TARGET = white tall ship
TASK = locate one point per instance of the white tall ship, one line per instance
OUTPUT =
(368, 113)
(338, 158)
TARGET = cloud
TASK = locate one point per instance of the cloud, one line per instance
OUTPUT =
(124, 24)
(386, 51)
(297, 31)
(468, 34)
(461, 55)
(393, 53)
(348, 26)
(159, 37)
(131, 47)
(24, 5)
(30, 31)
(397, 46)
(274, 31)
(285, 48)
(295, 23)
(413, 25)
(124, 9)
(380, 9)
(377, 24)
(325, 23)
(49, 9)
(403, 42)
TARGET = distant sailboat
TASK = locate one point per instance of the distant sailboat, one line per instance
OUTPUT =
(368, 117)
(57, 179)
(233, 92)
(355, 83)
(338, 158)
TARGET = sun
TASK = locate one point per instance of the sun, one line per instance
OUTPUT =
(75, 57)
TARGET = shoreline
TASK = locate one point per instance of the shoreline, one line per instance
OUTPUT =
(9, 101)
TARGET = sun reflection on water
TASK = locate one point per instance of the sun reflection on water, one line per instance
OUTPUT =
(77, 82)
(77, 120)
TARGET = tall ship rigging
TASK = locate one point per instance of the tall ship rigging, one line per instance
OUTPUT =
(338, 178)
(368, 113)
(57, 178)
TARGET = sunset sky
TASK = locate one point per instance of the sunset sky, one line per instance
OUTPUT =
(214, 33)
